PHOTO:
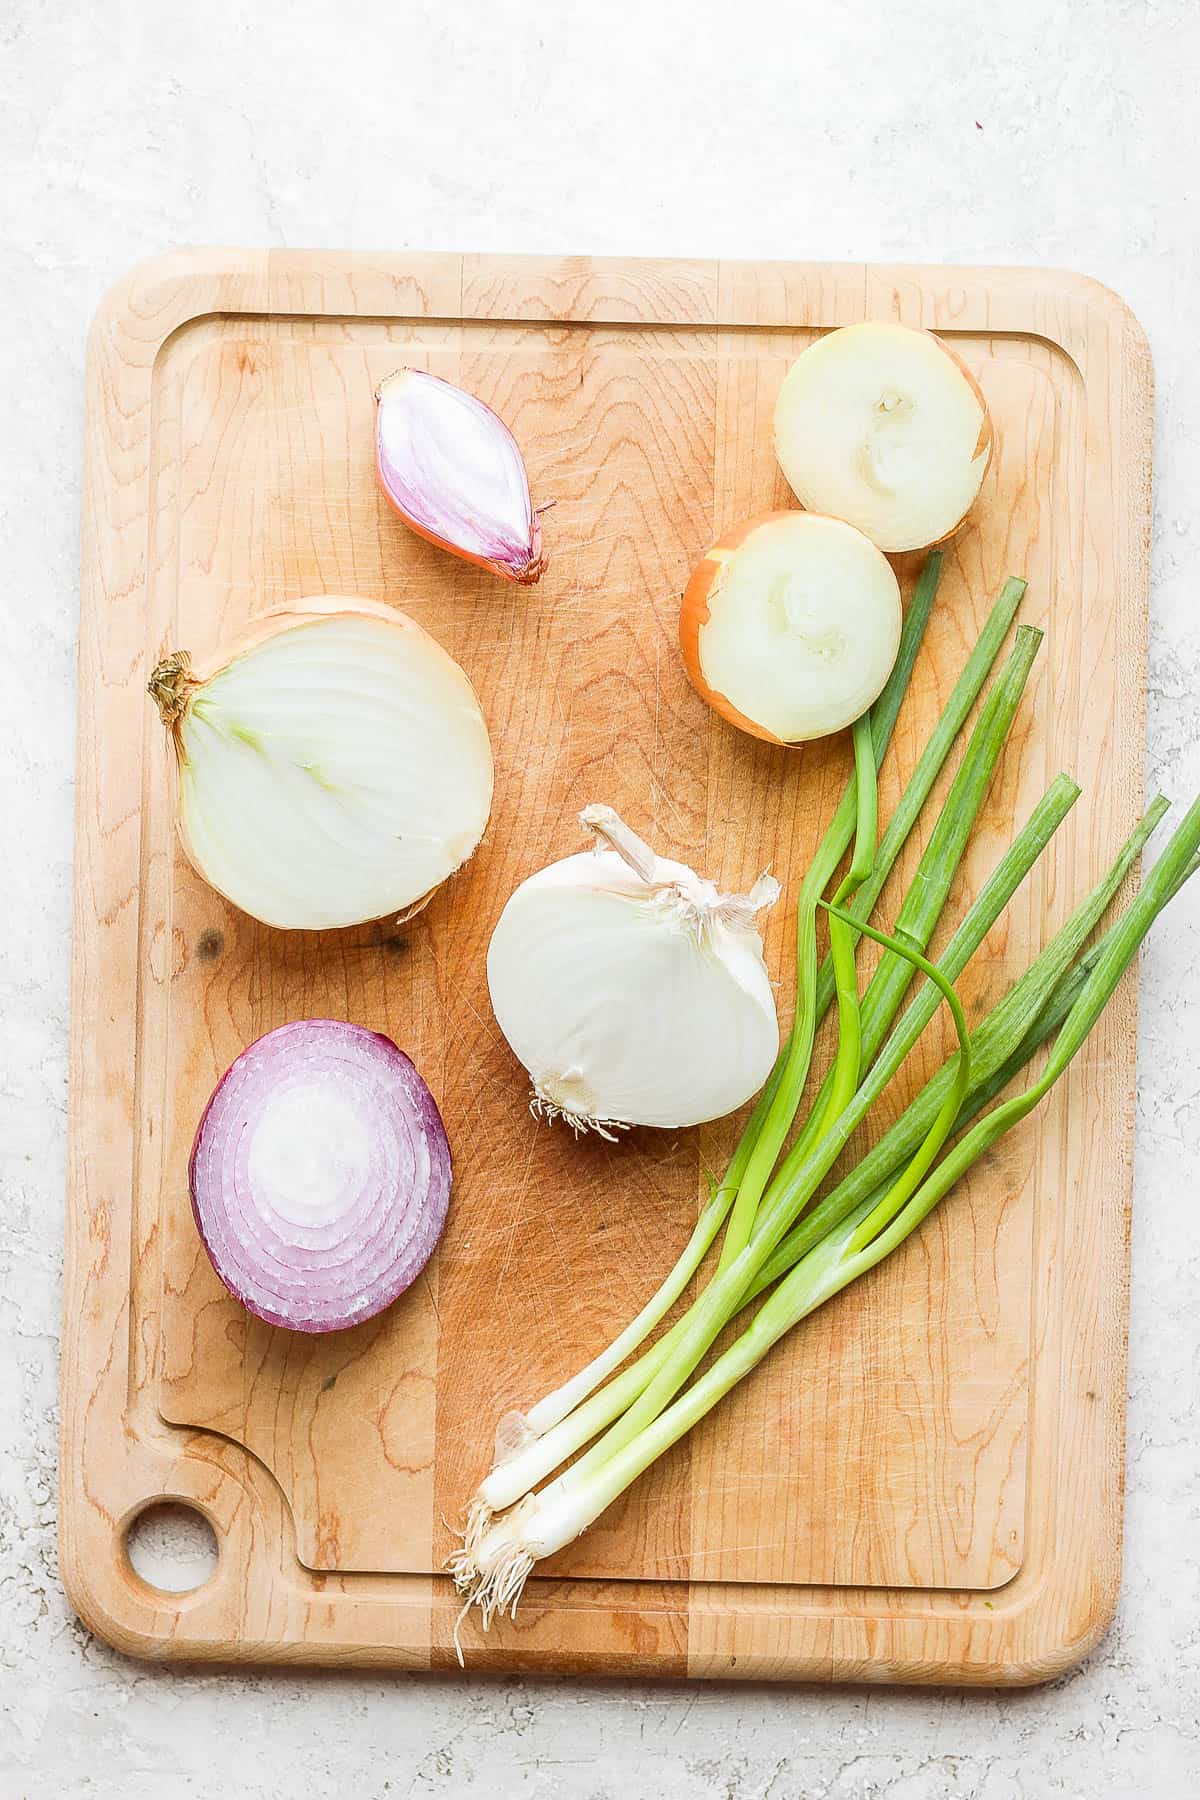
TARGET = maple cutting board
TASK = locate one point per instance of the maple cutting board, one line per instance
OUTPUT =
(924, 1482)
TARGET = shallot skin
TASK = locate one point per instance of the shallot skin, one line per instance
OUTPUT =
(321, 1269)
(452, 470)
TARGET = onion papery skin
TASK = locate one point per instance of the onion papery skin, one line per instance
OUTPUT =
(398, 800)
(295, 1249)
(703, 589)
(451, 468)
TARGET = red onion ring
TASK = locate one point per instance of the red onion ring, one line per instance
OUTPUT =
(320, 1175)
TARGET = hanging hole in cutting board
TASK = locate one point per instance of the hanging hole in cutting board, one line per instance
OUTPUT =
(172, 1547)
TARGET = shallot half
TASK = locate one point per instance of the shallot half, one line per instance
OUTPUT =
(452, 470)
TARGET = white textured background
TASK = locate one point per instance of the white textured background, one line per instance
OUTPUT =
(1016, 131)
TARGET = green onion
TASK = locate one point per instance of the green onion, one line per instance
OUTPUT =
(561, 1431)
(1120, 947)
(795, 1184)
(866, 825)
(926, 896)
(775, 1112)
(750, 1168)
(962, 698)
(544, 1523)
(977, 922)
(922, 904)
(571, 1429)
(847, 1065)
(900, 1191)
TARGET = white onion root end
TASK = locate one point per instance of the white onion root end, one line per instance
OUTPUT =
(582, 1124)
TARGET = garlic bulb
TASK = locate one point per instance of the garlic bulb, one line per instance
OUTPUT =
(333, 768)
(632, 991)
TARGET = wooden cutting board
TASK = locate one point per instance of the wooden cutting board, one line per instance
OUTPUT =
(924, 1482)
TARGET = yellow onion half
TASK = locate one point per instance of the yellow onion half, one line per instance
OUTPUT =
(334, 766)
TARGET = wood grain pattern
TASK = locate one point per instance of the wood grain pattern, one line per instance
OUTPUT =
(924, 1483)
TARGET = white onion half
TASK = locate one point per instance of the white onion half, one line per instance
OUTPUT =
(632, 991)
(334, 769)
(320, 1175)
(790, 625)
(885, 427)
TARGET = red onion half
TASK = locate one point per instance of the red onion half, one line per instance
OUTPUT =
(451, 468)
(320, 1175)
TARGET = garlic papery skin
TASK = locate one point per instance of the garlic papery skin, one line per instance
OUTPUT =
(451, 468)
(633, 992)
(334, 767)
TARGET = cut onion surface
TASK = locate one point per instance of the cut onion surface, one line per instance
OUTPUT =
(451, 468)
(885, 427)
(320, 1175)
(790, 625)
(333, 769)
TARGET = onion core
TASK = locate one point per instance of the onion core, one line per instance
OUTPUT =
(320, 1175)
